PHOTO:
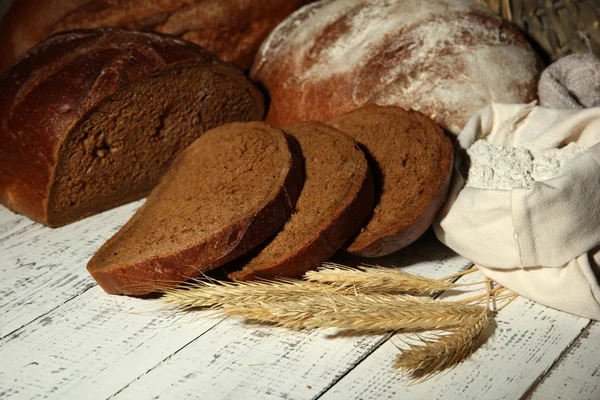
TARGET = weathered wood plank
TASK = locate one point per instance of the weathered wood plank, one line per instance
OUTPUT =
(237, 360)
(528, 339)
(577, 375)
(91, 346)
(11, 223)
(41, 268)
(101, 342)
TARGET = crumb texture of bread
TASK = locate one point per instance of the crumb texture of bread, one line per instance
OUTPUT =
(90, 120)
(411, 162)
(336, 199)
(223, 195)
(445, 58)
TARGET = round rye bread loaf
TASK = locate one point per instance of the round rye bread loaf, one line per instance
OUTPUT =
(227, 192)
(335, 201)
(411, 160)
(233, 29)
(445, 58)
(90, 120)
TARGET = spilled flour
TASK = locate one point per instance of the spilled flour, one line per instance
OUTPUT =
(505, 167)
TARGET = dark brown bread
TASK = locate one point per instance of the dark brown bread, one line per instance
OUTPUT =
(233, 29)
(90, 120)
(412, 168)
(227, 192)
(335, 201)
(445, 58)
(27, 22)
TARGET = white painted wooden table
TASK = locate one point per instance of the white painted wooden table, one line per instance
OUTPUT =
(62, 337)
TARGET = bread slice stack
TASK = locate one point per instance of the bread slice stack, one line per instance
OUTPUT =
(371, 181)
(336, 199)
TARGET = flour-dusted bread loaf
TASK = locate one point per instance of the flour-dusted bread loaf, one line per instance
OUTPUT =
(233, 29)
(226, 193)
(90, 120)
(27, 22)
(412, 164)
(335, 201)
(445, 58)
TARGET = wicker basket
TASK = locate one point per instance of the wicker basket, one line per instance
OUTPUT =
(556, 27)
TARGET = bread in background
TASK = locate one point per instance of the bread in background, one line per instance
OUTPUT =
(233, 29)
(445, 58)
(27, 22)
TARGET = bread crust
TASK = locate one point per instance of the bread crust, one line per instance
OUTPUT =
(328, 237)
(445, 58)
(149, 275)
(396, 240)
(60, 82)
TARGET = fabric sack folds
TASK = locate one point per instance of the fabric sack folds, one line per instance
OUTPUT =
(542, 241)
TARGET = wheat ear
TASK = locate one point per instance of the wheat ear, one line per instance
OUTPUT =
(377, 279)
(432, 356)
(315, 305)
(213, 294)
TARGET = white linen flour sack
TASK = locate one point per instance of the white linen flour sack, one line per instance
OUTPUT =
(524, 204)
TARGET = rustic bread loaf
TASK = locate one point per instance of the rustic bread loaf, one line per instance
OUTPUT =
(412, 164)
(232, 29)
(227, 192)
(335, 201)
(90, 120)
(445, 58)
(27, 22)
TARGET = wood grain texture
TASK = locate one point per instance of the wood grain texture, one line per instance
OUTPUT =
(91, 347)
(527, 340)
(11, 223)
(577, 374)
(258, 363)
(41, 268)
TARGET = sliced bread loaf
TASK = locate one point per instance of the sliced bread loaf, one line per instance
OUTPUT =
(412, 163)
(226, 193)
(90, 120)
(336, 199)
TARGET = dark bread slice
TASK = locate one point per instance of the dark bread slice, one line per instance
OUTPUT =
(223, 195)
(412, 164)
(90, 120)
(336, 199)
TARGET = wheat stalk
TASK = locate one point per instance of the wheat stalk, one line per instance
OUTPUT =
(357, 314)
(361, 300)
(431, 357)
(213, 294)
(315, 305)
(377, 279)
